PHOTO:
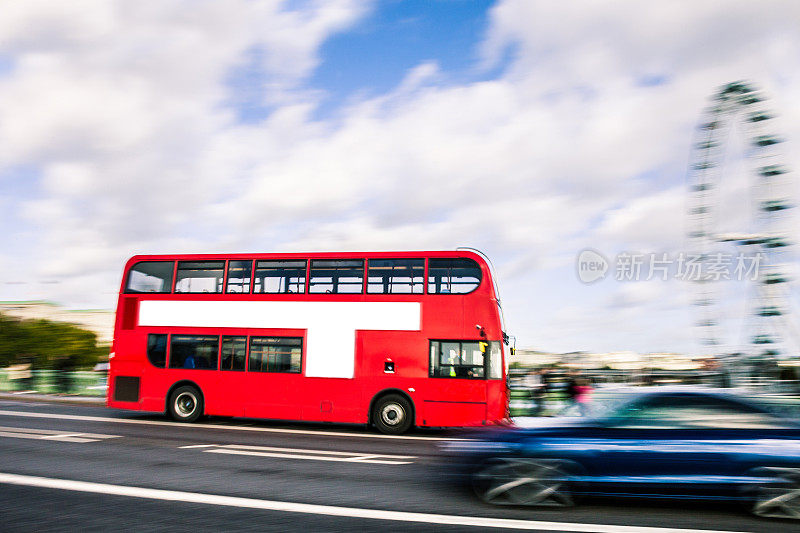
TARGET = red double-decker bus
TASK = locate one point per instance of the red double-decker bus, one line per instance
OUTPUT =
(393, 339)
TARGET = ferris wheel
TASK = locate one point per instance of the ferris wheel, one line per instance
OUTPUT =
(759, 238)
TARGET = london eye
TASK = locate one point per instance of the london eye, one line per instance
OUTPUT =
(737, 130)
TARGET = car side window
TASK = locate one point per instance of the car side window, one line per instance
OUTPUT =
(693, 412)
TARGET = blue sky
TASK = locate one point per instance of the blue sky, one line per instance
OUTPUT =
(376, 53)
(395, 38)
(528, 129)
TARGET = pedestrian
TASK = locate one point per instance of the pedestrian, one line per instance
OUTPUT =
(583, 395)
(572, 388)
(535, 385)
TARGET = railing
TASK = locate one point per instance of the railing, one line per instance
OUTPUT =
(79, 383)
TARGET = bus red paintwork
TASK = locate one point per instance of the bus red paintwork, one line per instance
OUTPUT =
(436, 401)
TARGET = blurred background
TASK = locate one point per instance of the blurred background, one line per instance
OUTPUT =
(349, 125)
(629, 167)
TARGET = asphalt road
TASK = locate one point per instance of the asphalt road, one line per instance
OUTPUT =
(65, 467)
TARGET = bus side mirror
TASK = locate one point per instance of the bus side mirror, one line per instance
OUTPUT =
(513, 350)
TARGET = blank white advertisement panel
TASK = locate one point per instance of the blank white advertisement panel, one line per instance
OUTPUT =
(331, 326)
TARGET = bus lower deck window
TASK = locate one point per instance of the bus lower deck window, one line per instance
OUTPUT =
(193, 352)
(157, 349)
(275, 354)
(233, 353)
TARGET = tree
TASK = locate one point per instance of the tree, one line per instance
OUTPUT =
(47, 344)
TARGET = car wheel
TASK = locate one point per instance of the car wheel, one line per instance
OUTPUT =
(521, 481)
(392, 415)
(780, 496)
(185, 404)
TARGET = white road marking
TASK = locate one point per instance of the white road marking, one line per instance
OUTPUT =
(302, 457)
(39, 437)
(62, 435)
(366, 459)
(304, 454)
(85, 418)
(303, 450)
(328, 510)
(197, 446)
(49, 434)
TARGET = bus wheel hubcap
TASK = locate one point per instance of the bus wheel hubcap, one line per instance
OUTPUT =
(392, 414)
(185, 404)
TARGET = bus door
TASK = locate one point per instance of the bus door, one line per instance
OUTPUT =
(458, 392)
(274, 377)
(231, 390)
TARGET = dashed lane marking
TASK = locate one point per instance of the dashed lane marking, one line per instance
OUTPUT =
(328, 510)
(85, 418)
(304, 454)
(48, 434)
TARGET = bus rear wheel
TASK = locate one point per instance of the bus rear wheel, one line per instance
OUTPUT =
(392, 414)
(185, 404)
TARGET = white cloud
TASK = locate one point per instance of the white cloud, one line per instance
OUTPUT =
(649, 223)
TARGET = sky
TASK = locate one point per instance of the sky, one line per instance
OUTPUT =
(531, 130)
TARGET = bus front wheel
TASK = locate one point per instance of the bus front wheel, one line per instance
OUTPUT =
(185, 404)
(392, 414)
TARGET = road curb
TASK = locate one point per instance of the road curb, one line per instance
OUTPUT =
(52, 398)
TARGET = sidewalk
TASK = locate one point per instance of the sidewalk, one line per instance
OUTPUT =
(35, 397)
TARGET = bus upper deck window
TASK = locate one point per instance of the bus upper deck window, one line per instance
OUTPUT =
(200, 276)
(337, 276)
(395, 276)
(150, 276)
(453, 276)
(279, 277)
(239, 277)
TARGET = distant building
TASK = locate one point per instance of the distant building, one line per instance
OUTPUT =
(623, 361)
(531, 358)
(98, 321)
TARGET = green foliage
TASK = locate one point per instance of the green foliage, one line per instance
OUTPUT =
(47, 344)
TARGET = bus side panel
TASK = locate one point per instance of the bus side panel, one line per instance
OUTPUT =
(497, 400)
(446, 413)
(332, 400)
(274, 395)
(391, 360)
(156, 384)
(454, 402)
(124, 370)
(397, 356)
(230, 398)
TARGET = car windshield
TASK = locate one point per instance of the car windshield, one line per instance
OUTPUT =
(679, 409)
(666, 408)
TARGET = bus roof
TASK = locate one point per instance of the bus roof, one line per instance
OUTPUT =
(310, 255)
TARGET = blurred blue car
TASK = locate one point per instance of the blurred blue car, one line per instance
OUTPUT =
(668, 443)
